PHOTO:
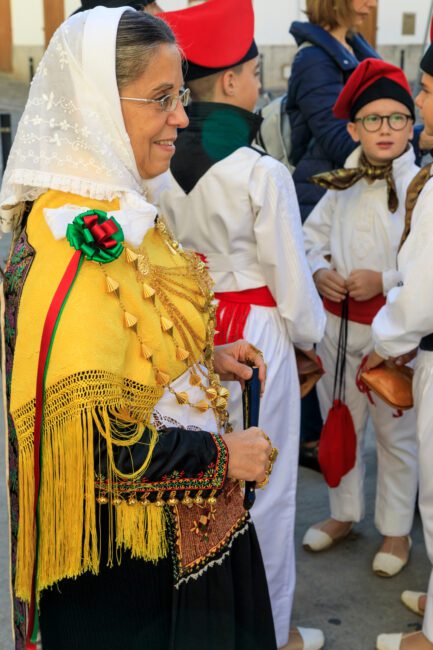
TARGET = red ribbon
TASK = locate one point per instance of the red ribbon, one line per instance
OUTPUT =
(47, 340)
(101, 232)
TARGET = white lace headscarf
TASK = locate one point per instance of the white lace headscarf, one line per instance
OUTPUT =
(71, 136)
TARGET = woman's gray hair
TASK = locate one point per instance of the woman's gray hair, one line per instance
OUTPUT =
(138, 37)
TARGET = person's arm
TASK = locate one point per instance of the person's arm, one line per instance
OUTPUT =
(186, 461)
(280, 252)
(408, 313)
(317, 233)
(316, 86)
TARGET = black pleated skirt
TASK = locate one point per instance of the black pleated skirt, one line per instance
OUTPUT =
(135, 606)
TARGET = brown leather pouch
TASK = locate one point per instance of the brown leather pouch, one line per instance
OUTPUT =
(309, 372)
(393, 384)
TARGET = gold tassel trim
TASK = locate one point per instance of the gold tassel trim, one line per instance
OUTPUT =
(166, 324)
(182, 398)
(112, 285)
(201, 406)
(148, 291)
(211, 393)
(130, 320)
(142, 530)
(162, 379)
(68, 507)
(131, 256)
(181, 354)
(194, 379)
(146, 351)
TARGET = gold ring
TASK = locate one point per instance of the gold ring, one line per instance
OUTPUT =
(256, 350)
(273, 455)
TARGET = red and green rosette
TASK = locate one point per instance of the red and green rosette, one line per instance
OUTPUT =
(97, 238)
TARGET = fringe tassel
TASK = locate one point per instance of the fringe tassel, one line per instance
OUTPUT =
(142, 529)
(68, 544)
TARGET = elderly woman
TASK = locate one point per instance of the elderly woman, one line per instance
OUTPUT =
(125, 498)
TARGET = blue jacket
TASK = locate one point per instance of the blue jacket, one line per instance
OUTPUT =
(320, 142)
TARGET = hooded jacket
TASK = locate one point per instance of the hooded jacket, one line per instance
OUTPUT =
(320, 142)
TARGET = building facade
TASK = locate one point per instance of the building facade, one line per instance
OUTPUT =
(399, 30)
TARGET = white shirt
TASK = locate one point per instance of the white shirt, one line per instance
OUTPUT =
(243, 216)
(355, 227)
(408, 313)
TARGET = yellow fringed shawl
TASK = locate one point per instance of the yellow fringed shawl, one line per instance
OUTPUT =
(97, 375)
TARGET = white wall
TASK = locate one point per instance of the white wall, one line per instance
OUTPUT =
(71, 6)
(273, 18)
(27, 22)
(390, 21)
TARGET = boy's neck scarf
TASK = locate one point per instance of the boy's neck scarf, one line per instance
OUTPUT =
(341, 179)
(215, 131)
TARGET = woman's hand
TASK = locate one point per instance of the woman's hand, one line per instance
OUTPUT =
(330, 284)
(363, 284)
(373, 360)
(231, 362)
(249, 453)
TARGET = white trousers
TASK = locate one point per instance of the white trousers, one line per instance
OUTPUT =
(423, 394)
(273, 513)
(397, 466)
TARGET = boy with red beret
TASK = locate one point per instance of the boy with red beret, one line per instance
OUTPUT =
(351, 240)
(401, 326)
(238, 207)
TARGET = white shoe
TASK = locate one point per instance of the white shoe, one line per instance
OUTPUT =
(411, 600)
(388, 565)
(389, 641)
(313, 638)
(305, 638)
(316, 540)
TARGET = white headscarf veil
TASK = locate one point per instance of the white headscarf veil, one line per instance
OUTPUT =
(71, 136)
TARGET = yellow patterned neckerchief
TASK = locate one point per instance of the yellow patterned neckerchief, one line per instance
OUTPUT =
(129, 328)
(342, 179)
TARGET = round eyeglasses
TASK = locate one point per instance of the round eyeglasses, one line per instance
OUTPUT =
(168, 103)
(396, 121)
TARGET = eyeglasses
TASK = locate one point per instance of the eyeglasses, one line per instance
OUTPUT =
(396, 121)
(168, 103)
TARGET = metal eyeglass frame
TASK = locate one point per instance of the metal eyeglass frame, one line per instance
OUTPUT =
(381, 118)
(168, 103)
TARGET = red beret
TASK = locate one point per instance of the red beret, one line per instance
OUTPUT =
(373, 79)
(216, 34)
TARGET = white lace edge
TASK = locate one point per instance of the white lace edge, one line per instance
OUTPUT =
(218, 562)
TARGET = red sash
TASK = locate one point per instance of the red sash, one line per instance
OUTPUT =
(360, 311)
(233, 310)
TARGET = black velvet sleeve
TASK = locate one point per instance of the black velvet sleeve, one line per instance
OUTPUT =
(184, 463)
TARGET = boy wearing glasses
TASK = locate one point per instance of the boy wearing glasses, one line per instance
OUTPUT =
(351, 241)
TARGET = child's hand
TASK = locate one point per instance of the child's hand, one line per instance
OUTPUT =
(363, 284)
(330, 284)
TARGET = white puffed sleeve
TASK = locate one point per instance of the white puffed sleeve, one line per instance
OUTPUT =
(408, 313)
(317, 233)
(280, 252)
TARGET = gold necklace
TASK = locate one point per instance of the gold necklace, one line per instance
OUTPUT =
(156, 282)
